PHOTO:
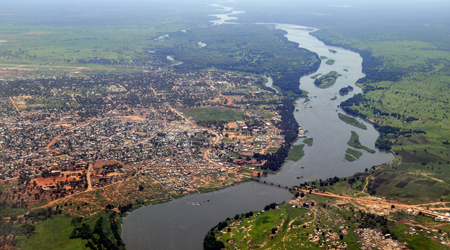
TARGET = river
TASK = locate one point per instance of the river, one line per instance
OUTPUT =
(181, 224)
(223, 18)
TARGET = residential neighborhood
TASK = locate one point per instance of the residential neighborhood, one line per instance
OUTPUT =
(65, 135)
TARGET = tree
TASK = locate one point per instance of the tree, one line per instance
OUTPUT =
(210, 242)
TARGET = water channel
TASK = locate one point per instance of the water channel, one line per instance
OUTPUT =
(224, 18)
(183, 223)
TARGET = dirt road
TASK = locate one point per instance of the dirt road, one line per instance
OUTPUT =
(419, 207)
(15, 106)
(229, 101)
(48, 147)
(216, 140)
(88, 177)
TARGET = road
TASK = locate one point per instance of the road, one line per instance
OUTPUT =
(48, 147)
(229, 101)
(15, 106)
(88, 177)
(216, 140)
(419, 207)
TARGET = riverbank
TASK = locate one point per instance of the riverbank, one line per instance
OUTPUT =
(180, 224)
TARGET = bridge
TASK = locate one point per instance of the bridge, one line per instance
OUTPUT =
(271, 183)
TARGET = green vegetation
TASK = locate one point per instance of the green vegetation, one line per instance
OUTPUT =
(265, 80)
(413, 182)
(53, 50)
(288, 226)
(355, 153)
(53, 234)
(315, 76)
(308, 141)
(345, 90)
(213, 114)
(349, 157)
(323, 57)
(405, 88)
(263, 225)
(352, 121)
(330, 61)
(49, 42)
(295, 153)
(326, 80)
(228, 49)
(354, 142)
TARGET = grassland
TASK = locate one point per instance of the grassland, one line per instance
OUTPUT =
(349, 157)
(296, 153)
(418, 91)
(354, 142)
(352, 121)
(308, 141)
(261, 227)
(326, 80)
(46, 49)
(52, 234)
(289, 226)
(413, 183)
(213, 114)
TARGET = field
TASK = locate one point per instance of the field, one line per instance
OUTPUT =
(352, 121)
(52, 234)
(213, 114)
(354, 142)
(414, 183)
(71, 47)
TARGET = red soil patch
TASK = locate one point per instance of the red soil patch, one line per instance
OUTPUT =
(134, 118)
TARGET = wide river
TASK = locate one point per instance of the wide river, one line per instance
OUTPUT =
(182, 224)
